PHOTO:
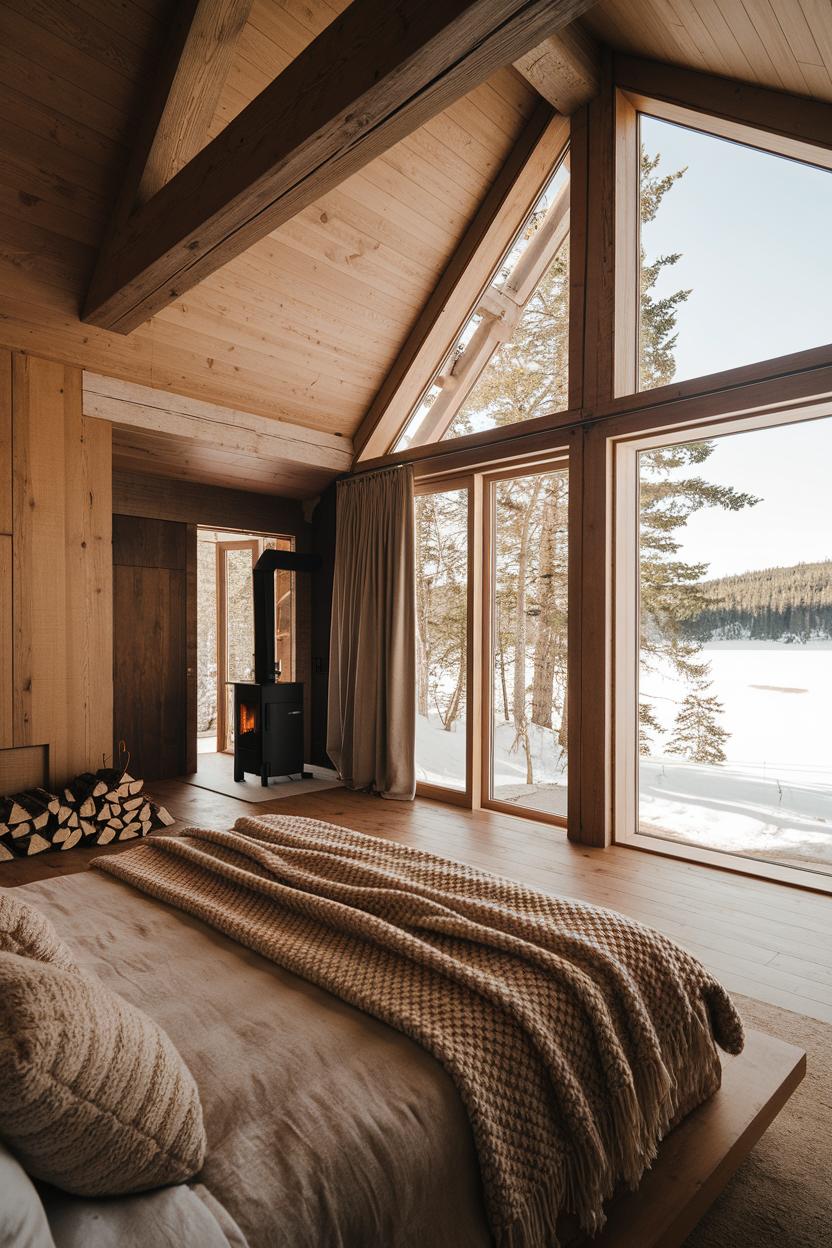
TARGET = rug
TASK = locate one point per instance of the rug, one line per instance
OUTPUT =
(781, 1196)
(215, 772)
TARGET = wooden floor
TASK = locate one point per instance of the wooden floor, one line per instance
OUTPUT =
(762, 939)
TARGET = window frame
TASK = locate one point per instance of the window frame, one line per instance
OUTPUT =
(625, 632)
(557, 460)
(629, 105)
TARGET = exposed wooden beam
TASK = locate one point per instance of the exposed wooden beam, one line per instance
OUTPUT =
(221, 429)
(465, 278)
(194, 90)
(793, 117)
(379, 71)
(564, 68)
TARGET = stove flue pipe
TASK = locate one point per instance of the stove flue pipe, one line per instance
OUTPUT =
(272, 561)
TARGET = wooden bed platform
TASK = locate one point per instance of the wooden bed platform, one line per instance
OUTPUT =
(698, 1158)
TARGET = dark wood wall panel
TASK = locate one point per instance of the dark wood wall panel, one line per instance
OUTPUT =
(151, 619)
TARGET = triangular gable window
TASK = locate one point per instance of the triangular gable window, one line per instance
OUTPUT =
(510, 360)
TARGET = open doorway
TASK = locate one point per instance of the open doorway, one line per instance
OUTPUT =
(225, 627)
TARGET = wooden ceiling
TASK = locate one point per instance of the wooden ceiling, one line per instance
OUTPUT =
(785, 44)
(304, 326)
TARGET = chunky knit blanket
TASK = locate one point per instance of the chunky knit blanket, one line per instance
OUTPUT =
(575, 1036)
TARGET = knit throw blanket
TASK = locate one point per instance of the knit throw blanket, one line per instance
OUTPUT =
(575, 1036)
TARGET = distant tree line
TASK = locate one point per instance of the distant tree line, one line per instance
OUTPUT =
(769, 604)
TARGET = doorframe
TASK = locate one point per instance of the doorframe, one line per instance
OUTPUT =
(222, 548)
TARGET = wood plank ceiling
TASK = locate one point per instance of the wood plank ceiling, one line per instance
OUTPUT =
(785, 44)
(305, 325)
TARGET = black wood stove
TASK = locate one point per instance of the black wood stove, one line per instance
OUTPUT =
(268, 712)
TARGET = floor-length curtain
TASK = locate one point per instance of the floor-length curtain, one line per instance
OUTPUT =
(371, 724)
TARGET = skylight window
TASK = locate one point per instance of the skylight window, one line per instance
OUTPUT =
(509, 361)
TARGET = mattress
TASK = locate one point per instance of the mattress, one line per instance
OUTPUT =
(326, 1128)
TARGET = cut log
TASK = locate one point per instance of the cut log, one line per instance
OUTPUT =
(106, 835)
(50, 800)
(36, 844)
(17, 813)
(87, 808)
(20, 830)
(88, 785)
(65, 813)
(72, 839)
(5, 852)
(131, 830)
(164, 817)
(88, 829)
(104, 813)
(132, 803)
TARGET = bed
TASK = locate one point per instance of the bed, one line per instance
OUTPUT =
(327, 1126)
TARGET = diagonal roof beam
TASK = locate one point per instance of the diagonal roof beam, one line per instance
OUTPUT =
(194, 90)
(378, 72)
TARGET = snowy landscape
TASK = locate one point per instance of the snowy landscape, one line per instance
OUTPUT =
(772, 797)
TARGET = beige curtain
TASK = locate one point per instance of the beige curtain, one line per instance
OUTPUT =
(371, 727)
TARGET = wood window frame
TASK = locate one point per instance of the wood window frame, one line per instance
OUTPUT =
(468, 274)
(469, 796)
(603, 295)
(625, 634)
(557, 459)
(255, 543)
(222, 549)
(631, 102)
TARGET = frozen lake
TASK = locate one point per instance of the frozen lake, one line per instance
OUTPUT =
(772, 798)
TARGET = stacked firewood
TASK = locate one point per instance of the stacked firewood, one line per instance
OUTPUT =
(94, 809)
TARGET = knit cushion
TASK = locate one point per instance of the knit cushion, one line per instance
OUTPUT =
(94, 1098)
(24, 930)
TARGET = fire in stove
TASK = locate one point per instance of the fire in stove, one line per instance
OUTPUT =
(248, 718)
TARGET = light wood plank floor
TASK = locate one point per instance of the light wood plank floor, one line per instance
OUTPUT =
(762, 939)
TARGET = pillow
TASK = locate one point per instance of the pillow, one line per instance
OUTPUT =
(23, 1221)
(24, 930)
(94, 1098)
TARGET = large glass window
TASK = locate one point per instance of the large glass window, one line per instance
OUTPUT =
(529, 643)
(735, 644)
(442, 637)
(736, 264)
(510, 360)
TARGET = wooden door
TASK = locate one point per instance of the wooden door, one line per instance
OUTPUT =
(154, 627)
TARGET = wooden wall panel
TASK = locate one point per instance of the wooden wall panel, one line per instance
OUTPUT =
(6, 507)
(89, 583)
(55, 582)
(6, 647)
(149, 612)
(40, 643)
(152, 620)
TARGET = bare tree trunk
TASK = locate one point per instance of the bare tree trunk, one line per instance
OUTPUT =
(503, 684)
(521, 727)
(455, 704)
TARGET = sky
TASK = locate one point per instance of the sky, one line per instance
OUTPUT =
(755, 233)
(789, 469)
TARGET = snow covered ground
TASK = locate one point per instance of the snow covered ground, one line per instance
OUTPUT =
(773, 797)
(440, 759)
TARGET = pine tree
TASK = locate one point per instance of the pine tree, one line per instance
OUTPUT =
(697, 733)
(671, 587)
